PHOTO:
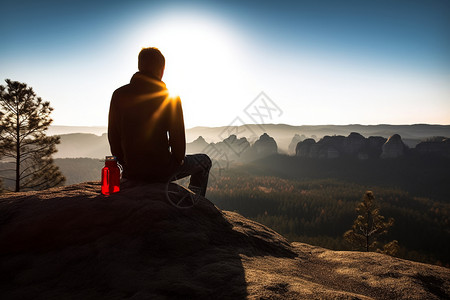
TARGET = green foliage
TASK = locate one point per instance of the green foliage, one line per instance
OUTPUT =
(368, 226)
(24, 118)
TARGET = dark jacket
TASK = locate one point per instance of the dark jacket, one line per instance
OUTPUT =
(146, 129)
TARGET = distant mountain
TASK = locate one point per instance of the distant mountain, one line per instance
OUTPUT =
(76, 145)
(283, 134)
(59, 130)
(197, 146)
(93, 143)
(78, 170)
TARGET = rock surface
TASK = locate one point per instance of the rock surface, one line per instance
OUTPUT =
(73, 243)
(394, 147)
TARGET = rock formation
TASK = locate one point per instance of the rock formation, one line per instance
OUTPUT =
(197, 146)
(295, 140)
(357, 146)
(232, 147)
(354, 145)
(330, 147)
(236, 149)
(394, 147)
(303, 148)
(375, 144)
(437, 146)
(265, 146)
(73, 243)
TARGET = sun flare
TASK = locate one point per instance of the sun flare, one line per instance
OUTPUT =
(200, 54)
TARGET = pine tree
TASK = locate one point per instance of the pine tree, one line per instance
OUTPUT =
(24, 118)
(368, 226)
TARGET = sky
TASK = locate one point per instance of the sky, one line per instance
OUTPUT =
(235, 62)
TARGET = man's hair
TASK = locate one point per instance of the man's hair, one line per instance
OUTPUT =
(151, 60)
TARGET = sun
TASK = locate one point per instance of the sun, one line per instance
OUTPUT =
(173, 92)
(201, 59)
(197, 51)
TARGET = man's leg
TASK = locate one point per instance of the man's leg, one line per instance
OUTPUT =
(197, 166)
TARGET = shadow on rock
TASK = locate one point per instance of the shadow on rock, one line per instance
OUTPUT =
(72, 242)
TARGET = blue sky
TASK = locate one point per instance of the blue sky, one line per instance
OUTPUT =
(320, 62)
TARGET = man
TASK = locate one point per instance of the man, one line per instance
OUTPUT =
(146, 129)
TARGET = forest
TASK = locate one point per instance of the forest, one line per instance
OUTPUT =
(319, 211)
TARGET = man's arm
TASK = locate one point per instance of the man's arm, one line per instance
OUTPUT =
(177, 138)
(114, 133)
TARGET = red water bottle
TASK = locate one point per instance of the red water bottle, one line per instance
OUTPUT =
(110, 176)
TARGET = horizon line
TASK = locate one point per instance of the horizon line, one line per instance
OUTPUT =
(272, 124)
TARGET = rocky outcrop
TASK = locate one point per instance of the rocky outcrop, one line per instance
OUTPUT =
(295, 140)
(394, 147)
(232, 148)
(357, 146)
(265, 146)
(197, 146)
(354, 145)
(239, 149)
(375, 144)
(303, 148)
(437, 146)
(330, 147)
(73, 243)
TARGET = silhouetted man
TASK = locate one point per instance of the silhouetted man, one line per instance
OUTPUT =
(146, 129)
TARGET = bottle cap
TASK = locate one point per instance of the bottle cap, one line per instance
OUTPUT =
(110, 158)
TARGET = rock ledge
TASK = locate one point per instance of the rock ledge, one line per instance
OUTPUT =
(73, 243)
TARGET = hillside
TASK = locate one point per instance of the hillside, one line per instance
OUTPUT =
(60, 130)
(77, 145)
(72, 242)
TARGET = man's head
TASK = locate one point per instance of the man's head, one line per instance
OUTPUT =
(151, 62)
